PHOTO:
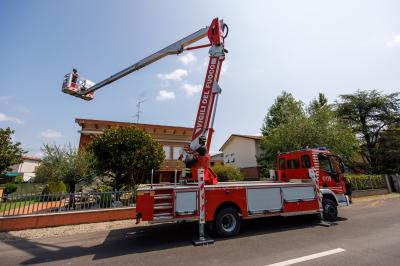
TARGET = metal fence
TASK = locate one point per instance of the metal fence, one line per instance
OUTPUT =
(26, 204)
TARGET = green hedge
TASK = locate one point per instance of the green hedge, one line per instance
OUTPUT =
(364, 181)
(228, 173)
(54, 187)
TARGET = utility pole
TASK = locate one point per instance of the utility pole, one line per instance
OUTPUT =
(137, 116)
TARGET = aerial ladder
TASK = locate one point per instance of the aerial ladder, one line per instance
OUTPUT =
(83, 88)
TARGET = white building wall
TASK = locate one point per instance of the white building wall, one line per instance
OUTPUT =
(28, 166)
(26, 169)
(240, 152)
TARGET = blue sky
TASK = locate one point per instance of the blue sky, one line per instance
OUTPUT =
(303, 47)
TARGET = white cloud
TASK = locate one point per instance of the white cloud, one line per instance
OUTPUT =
(164, 95)
(191, 89)
(187, 59)
(51, 134)
(394, 41)
(6, 118)
(176, 75)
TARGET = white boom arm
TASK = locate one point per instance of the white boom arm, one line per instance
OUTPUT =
(175, 48)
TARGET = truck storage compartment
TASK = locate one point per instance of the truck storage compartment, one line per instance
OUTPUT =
(185, 202)
(263, 200)
(294, 194)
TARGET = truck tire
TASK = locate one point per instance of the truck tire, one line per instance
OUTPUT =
(227, 222)
(330, 210)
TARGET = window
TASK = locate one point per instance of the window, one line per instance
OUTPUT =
(326, 164)
(282, 163)
(293, 164)
(176, 152)
(305, 161)
(229, 158)
(167, 151)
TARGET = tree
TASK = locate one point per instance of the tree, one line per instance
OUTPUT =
(317, 104)
(127, 154)
(284, 107)
(320, 126)
(65, 164)
(388, 157)
(10, 152)
(369, 113)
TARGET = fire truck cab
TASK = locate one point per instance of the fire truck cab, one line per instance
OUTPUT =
(293, 167)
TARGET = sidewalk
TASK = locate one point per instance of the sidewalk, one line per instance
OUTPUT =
(68, 230)
(376, 197)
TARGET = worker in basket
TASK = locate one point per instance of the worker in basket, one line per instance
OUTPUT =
(191, 157)
(74, 79)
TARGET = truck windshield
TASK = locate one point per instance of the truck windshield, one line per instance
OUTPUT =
(324, 163)
(329, 164)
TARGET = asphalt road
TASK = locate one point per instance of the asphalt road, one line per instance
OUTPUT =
(368, 233)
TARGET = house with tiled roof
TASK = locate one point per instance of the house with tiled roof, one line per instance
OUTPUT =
(26, 169)
(172, 138)
(242, 151)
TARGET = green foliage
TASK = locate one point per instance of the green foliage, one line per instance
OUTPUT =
(10, 152)
(319, 126)
(388, 157)
(362, 181)
(19, 179)
(103, 188)
(227, 173)
(105, 200)
(65, 164)
(54, 187)
(369, 113)
(10, 188)
(127, 154)
(283, 109)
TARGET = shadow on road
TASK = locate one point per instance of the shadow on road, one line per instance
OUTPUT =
(145, 239)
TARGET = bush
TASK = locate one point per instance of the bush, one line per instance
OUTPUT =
(103, 188)
(54, 187)
(227, 173)
(19, 179)
(364, 181)
(105, 198)
(10, 188)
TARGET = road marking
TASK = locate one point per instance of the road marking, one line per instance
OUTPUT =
(309, 257)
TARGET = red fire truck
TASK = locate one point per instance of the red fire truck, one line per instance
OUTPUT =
(225, 204)
(293, 167)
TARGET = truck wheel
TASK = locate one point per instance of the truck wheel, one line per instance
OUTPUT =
(227, 222)
(330, 210)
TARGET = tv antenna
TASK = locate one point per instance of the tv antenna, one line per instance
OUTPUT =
(138, 105)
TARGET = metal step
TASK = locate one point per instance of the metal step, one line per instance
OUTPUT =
(169, 204)
(162, 216)
(159, 206)
(162, 196)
